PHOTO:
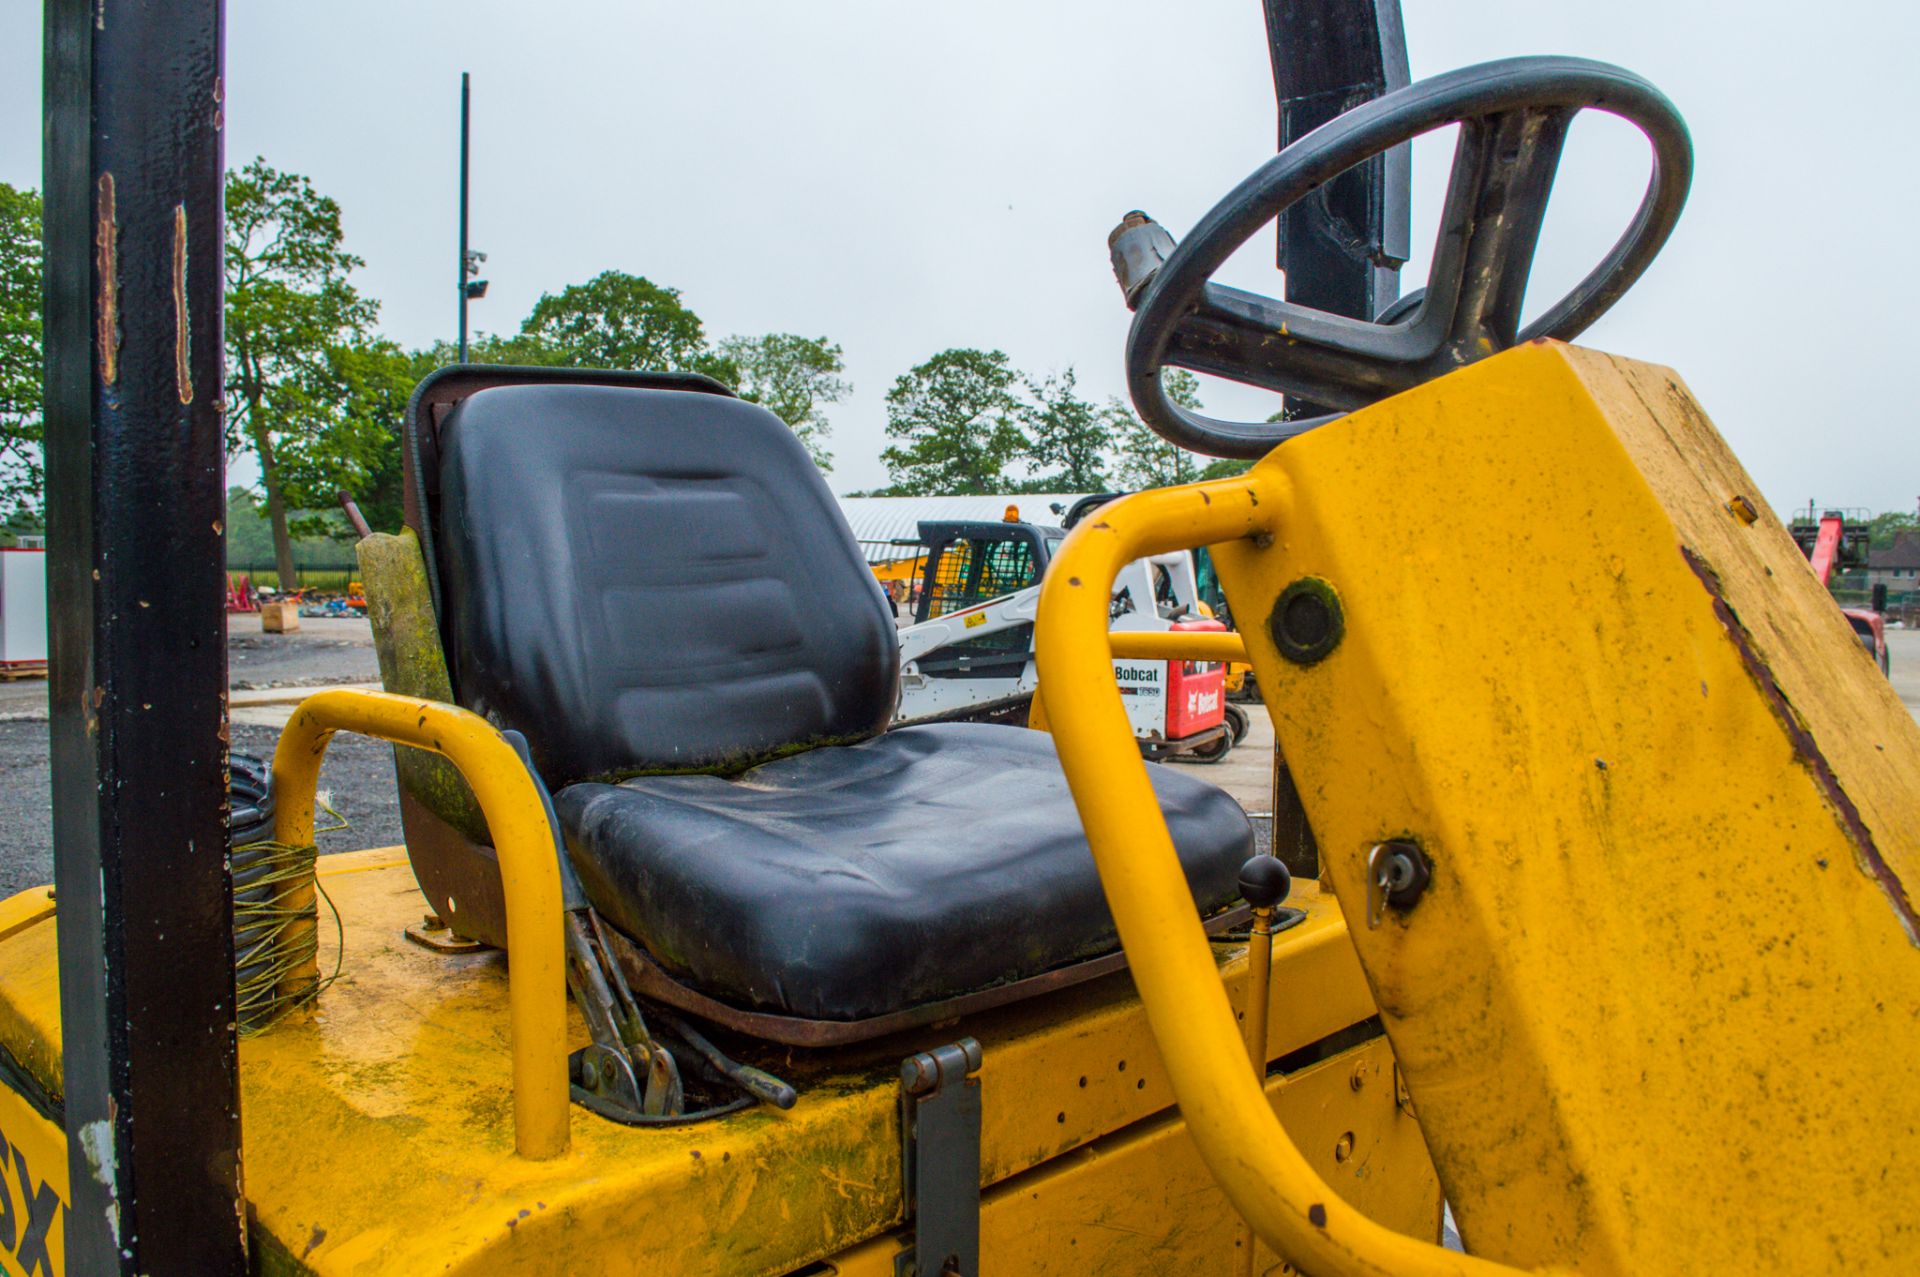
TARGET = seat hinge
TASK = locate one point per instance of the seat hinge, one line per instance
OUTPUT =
(940, 1162)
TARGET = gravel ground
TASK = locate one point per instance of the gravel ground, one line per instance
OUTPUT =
(322, 650)
(356, 778)
(358, 774)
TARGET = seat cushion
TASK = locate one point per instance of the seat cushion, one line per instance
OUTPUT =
(647, 580)
(854, 881)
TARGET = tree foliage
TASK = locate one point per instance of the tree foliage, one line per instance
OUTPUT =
(21, 424)
(614, 320)
(249, 541)
(794, 378)
(1224, 468)
(1143, 459)
(1886, 526)
(367, 385)
(957, 420)
(617, 320)
(1068, 437)
(291, 317)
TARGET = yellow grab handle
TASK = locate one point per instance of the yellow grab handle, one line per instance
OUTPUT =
(1257, 1164)
(537, 988)
(1177, 645)
(1157, 645)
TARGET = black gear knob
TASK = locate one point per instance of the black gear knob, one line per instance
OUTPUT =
(1265, 882)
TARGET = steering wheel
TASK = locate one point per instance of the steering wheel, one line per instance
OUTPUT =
(1513, 117)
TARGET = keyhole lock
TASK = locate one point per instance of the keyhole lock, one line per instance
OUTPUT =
(1397, 875)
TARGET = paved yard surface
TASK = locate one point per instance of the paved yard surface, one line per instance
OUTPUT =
(358, 773)
(1903, 655)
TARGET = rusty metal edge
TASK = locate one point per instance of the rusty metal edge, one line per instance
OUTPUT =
(649, 980)
(1807, 750)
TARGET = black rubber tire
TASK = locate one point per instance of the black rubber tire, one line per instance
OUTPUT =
(1240, 721)
(1208, 754)
(249, 800)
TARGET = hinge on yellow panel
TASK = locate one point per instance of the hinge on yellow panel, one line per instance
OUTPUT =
(940, 1130)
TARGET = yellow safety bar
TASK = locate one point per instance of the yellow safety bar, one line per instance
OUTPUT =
(1156, 645)
(1257, 1164)
(1177, 645)
(529, 875)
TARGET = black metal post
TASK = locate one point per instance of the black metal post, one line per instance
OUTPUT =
(462, 277)
(1343, 248)
(135, 500)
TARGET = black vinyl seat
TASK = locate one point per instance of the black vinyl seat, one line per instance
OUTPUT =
(657, 588)
(843, 884)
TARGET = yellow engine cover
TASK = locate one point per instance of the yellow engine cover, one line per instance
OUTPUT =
(1660, 1005)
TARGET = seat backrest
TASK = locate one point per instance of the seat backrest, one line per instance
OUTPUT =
(651, 580)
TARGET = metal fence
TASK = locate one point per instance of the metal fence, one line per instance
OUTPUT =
(326, 580)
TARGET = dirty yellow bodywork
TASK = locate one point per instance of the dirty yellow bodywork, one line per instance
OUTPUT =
(379, 1134)
(33, 1148)
(529, 872)
(1656, 1009)
(1659, 1005)
(415, 1118)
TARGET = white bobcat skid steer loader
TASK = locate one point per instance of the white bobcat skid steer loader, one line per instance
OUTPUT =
(968, 656)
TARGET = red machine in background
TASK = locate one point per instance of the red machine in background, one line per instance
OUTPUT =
(1832, 543)
(1179, 708)
(1196, 690)
(240, 595)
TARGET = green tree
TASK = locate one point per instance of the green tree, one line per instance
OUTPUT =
(1142, 458)
(290, 311)
(1888, 524)
(1224, 468)
(793, 377)
(365, 387)
(22, 481)
(614, 320)
(1227, 467)
(957, 419)
(1067, 437)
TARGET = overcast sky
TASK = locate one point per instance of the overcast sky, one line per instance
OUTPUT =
(905, 177)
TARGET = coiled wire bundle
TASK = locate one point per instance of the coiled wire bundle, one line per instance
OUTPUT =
(275, 904)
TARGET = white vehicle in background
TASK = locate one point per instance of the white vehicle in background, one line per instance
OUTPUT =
(968, 653)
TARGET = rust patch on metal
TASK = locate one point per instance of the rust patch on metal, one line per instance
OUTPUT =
(182, 333)
(1807, 750)
(106, 264)
(648, 978)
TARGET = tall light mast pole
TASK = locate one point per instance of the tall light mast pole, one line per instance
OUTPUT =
(470, 260)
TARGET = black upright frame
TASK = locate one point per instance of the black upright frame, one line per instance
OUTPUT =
(136, 582)
(1342, 249)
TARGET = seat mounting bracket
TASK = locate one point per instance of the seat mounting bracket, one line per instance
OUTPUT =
(940, 1130)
